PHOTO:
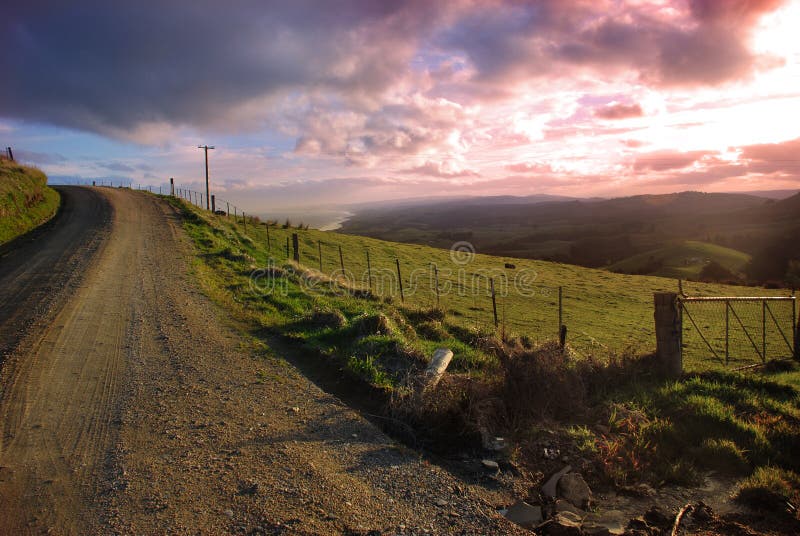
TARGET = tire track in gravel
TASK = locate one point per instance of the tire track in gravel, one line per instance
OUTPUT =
(140, 409)
(61, 384)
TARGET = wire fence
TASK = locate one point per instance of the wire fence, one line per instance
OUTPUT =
(491, 295)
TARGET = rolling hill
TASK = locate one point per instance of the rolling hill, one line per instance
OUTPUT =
(598, 233)
(683, 260)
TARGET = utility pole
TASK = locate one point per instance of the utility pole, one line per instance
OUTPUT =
(208, 197)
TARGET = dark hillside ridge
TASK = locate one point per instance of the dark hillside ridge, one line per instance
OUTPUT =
(593, 233)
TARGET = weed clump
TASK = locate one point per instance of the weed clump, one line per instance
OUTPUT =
(432, 330)
(231, 254)
(769, 488)
(373, 324)
(333, 319)
(722, 455)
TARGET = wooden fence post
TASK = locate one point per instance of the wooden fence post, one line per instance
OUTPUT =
(369, 270)
(796, 322)
(400, 281)
(494, 301)
(244, 221)
(436, 283)
(172, 187)
(341, 259)
(668, 333)
(295, 247)
(269, 242)
(213, 204)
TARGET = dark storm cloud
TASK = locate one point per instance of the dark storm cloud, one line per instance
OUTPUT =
(101, 66)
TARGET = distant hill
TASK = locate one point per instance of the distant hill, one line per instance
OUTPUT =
(787, 208)
(684, 260)
(770, 194)
(420, 202)
(598, 233)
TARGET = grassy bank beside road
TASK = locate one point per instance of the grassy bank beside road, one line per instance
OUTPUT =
(603, 403)
(25, 200)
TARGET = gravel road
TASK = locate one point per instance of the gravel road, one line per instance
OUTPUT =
(130, 404)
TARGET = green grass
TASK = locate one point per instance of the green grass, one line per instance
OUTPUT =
(658, 430)
(25, 200)
(683, 260)
(770, 487)
(604, 311)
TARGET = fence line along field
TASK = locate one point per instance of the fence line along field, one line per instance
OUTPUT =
(605, 312)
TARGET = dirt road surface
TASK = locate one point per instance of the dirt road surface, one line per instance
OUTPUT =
(129, 403)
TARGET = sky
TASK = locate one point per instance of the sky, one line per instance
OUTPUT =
(335, 102)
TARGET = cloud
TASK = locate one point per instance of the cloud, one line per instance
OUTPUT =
(619, 111)
(423, 94)
(695, 168)
(529, 167)
(667, 160)
(783, 152)
(38, 158)
(119, 167)
(141, 70)
(401, 127)
(705, 43)
(444, 170)
(117, 68)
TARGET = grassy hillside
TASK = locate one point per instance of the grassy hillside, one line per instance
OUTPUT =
(603, 311)
(25, 200)
(683, 260)
(632, 424)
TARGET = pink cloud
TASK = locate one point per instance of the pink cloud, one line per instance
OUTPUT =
(529, 167)
(667, 160)
(787, 152)
(441, 170)
(619, 111)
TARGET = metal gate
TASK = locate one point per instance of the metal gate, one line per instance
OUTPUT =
(737, 331)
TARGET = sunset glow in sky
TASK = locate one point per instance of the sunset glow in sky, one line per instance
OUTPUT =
(313, 103)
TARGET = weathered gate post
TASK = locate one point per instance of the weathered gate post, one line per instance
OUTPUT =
(668, 333)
